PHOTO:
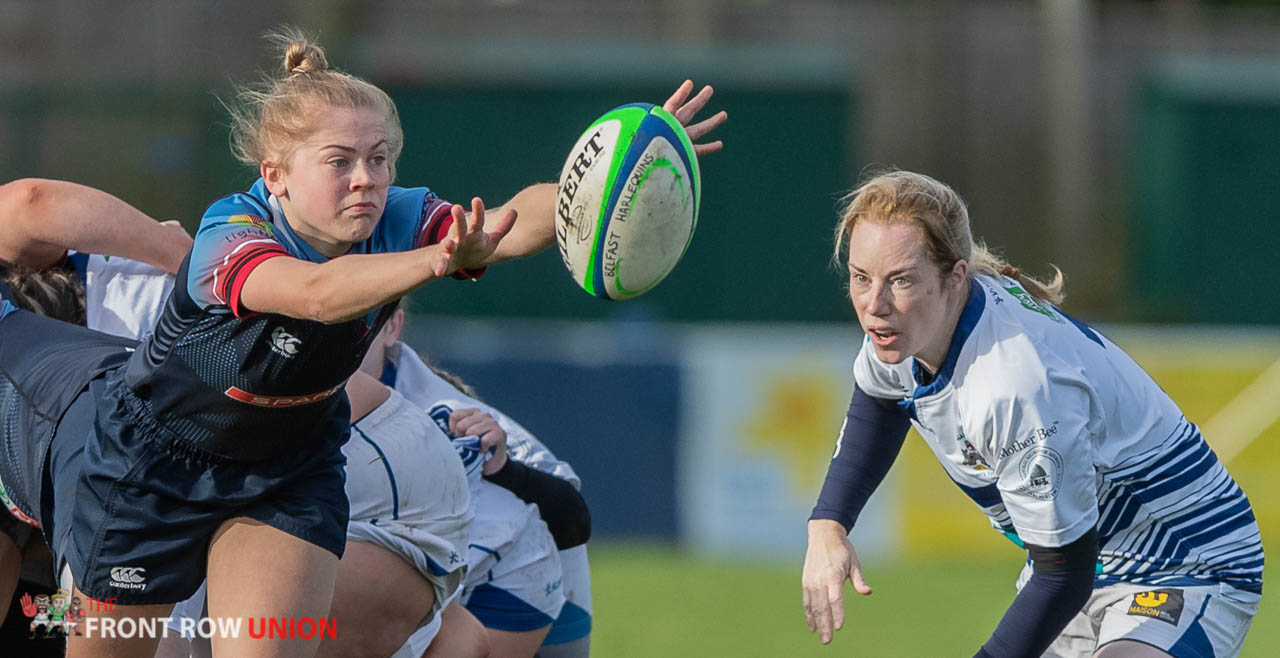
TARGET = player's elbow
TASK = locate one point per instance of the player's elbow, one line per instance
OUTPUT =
(21, 197)
(24, 231)
(572, 523)
(20, 203)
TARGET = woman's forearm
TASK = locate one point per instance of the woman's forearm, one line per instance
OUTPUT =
(43, 218)
(535, 227)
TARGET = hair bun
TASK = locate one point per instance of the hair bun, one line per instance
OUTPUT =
(302, 56)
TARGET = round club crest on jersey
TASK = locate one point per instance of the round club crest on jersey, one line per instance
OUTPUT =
(628, 201)
(1041, 468)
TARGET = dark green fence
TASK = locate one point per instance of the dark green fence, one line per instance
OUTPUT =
(761, 248)
(760, 252)
(1205, 238)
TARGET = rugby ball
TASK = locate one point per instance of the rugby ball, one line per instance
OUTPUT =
(628, 201)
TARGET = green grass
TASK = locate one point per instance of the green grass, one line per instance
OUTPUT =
(655, 601)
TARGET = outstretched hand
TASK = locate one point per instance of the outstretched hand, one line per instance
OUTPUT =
(28, 605)
(468, 246)
(829, 562)
(684, 108)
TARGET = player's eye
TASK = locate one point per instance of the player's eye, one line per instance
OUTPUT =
(339, 163)
(378, 160)
(861, 279)
(901, 282)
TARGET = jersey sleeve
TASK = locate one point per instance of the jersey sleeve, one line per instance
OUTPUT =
(414, 217)
(1042, 436)
(234, 238)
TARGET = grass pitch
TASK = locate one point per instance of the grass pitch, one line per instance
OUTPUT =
(655, 601)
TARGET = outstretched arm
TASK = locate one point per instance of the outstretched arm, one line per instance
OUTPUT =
(349, 286)
(535, 205)
(40, 219)
(869, 443)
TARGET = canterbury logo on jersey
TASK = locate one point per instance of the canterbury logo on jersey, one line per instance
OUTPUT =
(128, 578)
(284, 343)
(277, 401)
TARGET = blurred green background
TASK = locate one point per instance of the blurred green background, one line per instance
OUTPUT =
(1134, 143)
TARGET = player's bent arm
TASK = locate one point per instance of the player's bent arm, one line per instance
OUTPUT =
(559, 503)
(40, 219)
(340, 289)
(1060, 585)
(869, 442)
(535, 227)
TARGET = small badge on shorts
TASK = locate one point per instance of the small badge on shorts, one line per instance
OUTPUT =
(1162, 604)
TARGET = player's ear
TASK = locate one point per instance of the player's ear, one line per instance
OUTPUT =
(273, 176)
(395, 325)
(959, 273)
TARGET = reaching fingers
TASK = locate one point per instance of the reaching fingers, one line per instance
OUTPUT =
(677, 99)
(504, 226)
(447, 248)
(459, 230)
(477, 215)
(703, 149)
(697, 130)
(685, 113)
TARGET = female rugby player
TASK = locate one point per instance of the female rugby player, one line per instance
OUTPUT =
(1139, 542)
(400, 563)
(215, 449)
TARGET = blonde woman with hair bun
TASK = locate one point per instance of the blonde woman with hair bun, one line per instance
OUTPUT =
(1138, 542)
(214, 448)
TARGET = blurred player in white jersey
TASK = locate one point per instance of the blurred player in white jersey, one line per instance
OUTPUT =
(515, 597)
(1139, 542)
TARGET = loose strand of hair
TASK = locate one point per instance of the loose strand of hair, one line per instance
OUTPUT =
(987, 262)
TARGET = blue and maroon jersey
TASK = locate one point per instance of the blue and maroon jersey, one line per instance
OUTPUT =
(241, 384)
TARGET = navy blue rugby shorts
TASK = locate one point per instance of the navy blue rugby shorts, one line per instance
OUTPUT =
(128, 506)
(147, 504)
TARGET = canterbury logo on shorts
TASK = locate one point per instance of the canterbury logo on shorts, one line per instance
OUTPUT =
(128, 577)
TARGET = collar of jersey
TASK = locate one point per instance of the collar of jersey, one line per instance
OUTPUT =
(286, 234)
(968, 320)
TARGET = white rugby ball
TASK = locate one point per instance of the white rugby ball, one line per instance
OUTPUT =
(628, 201)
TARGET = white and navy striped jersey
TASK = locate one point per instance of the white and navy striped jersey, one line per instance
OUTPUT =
(1052, 430)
